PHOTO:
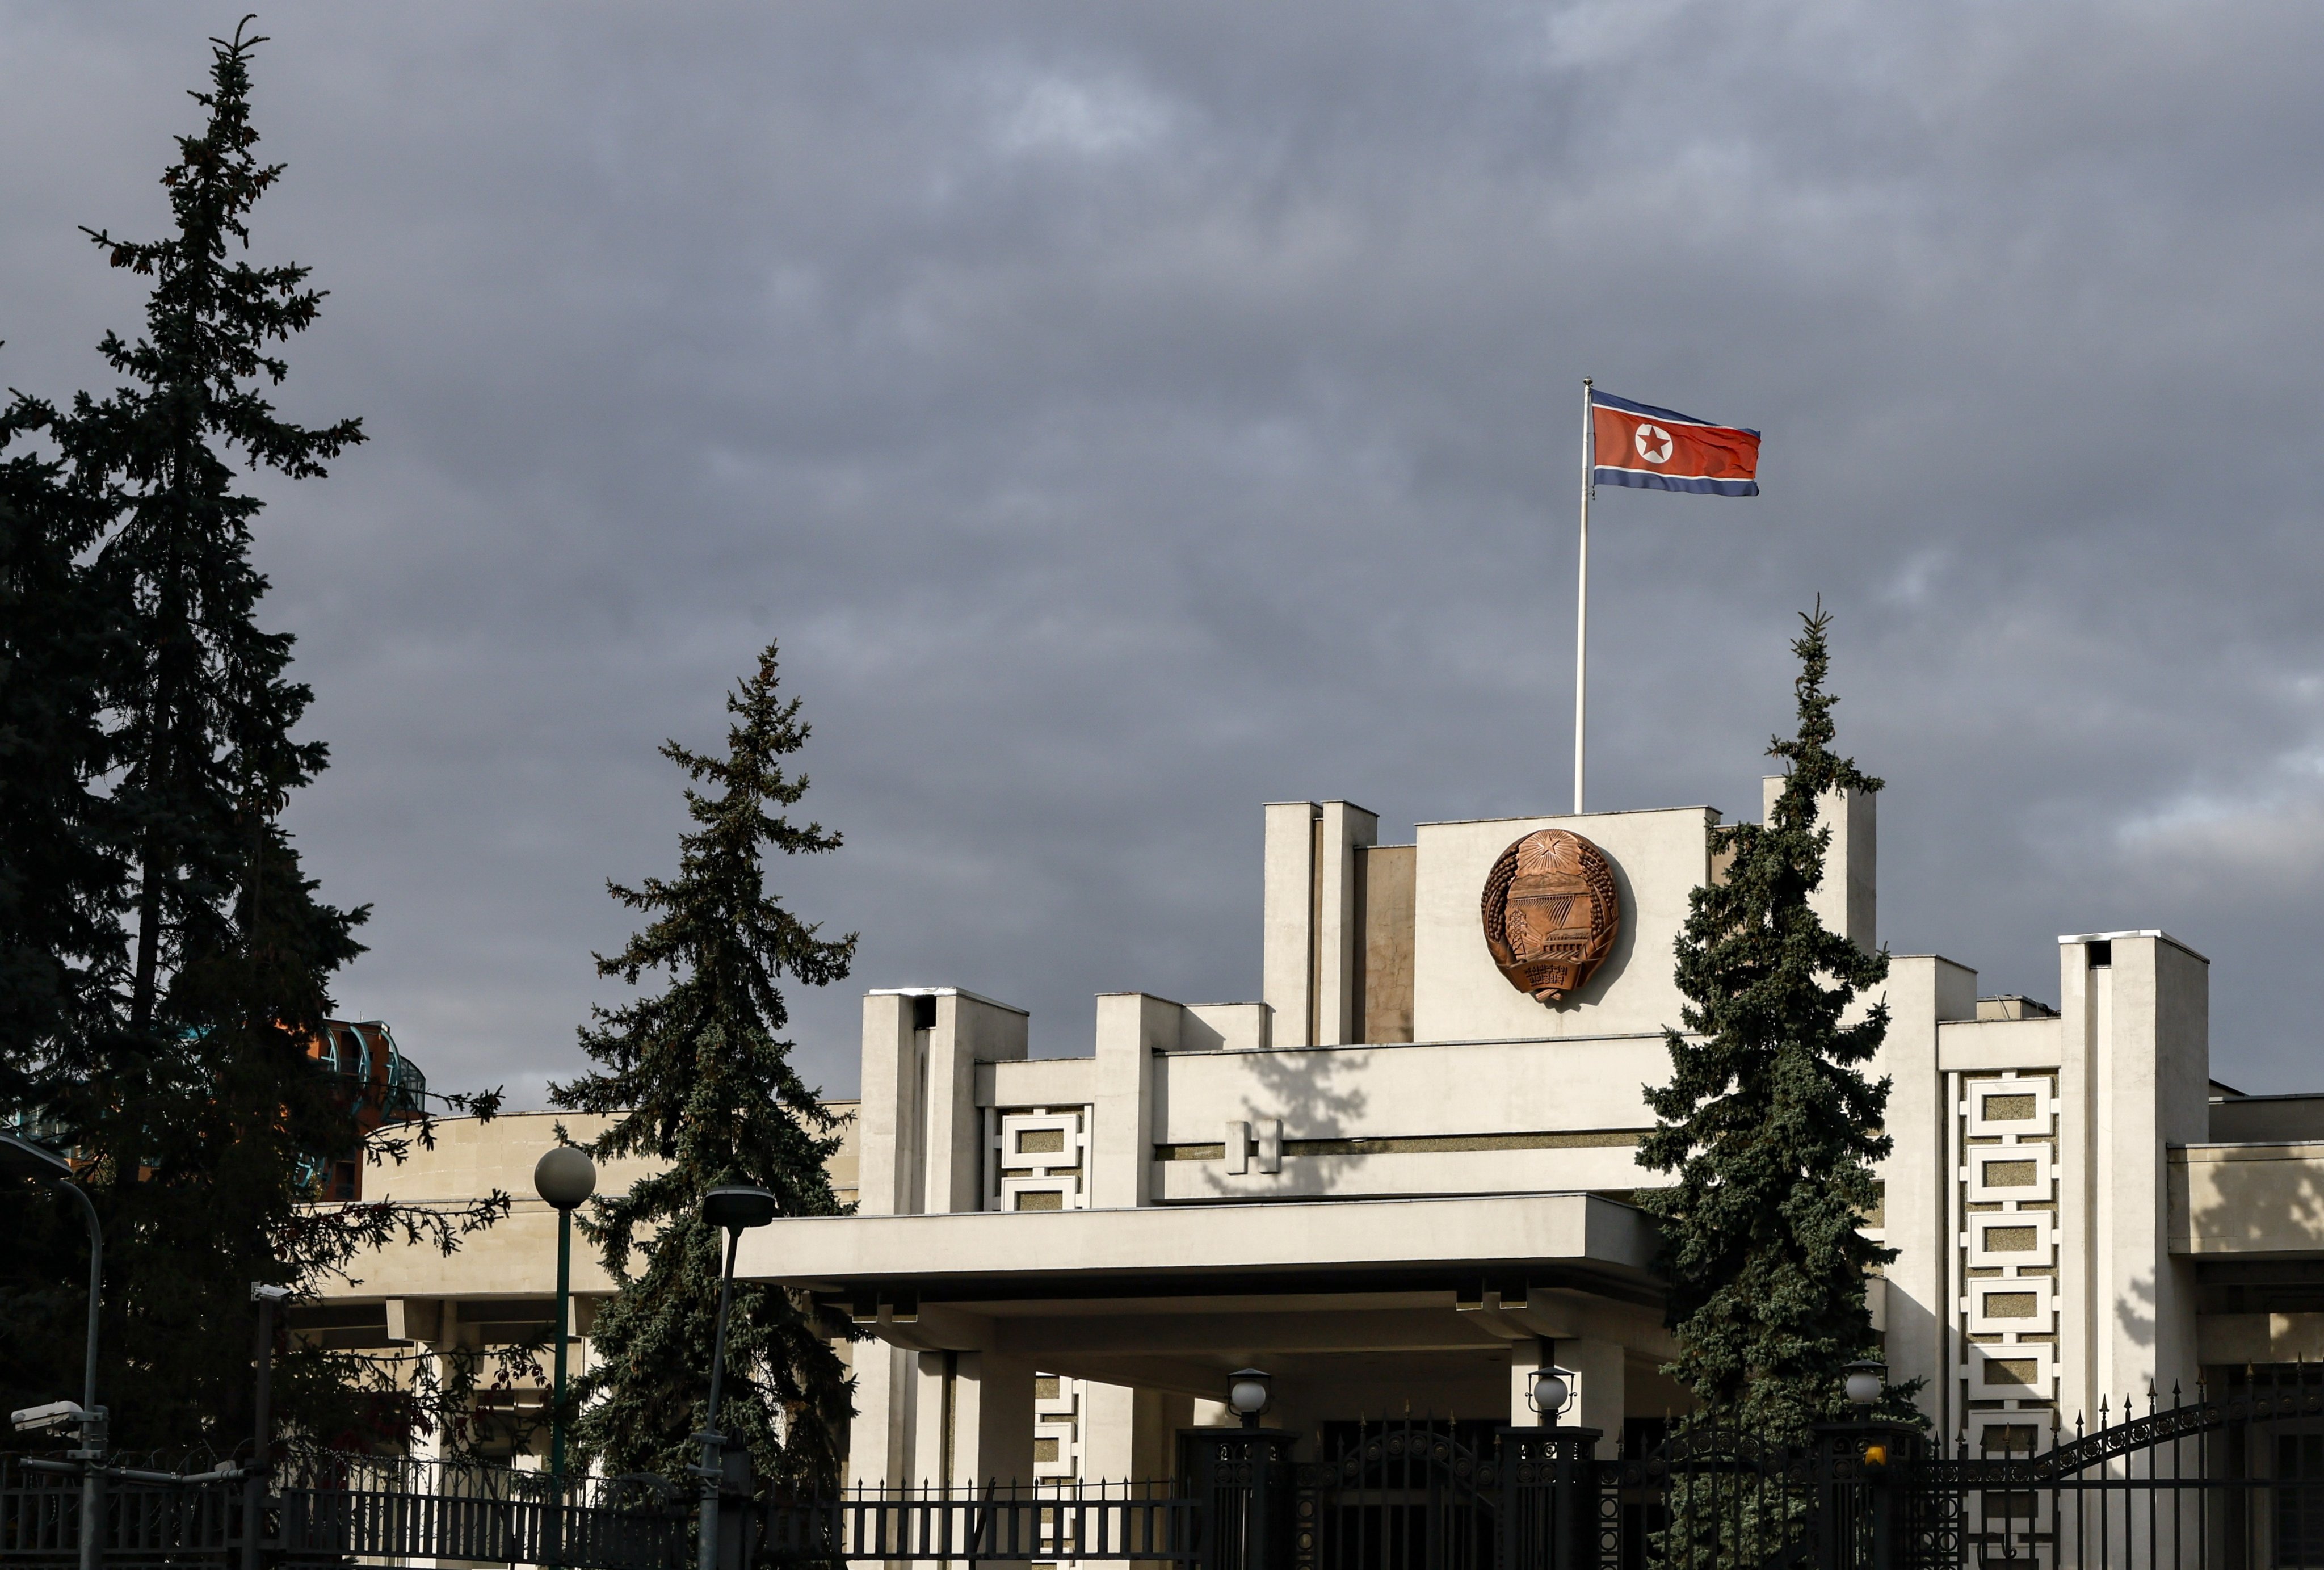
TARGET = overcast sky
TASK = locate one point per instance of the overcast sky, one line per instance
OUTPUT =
(1128, 414)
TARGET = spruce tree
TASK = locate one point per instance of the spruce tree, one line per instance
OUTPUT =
(699, 1077)
(1768, 1120)
(61, 874)
(62, 878)
(168, 957)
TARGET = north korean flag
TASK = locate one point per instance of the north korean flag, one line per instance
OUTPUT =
(1661, 450)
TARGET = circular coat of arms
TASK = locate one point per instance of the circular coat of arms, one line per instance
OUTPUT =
(1550, 912)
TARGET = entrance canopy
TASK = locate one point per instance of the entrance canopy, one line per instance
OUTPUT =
(1173, 1297)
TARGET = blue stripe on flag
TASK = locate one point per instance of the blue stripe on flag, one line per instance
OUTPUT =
(1608, 400)
(1649, 480)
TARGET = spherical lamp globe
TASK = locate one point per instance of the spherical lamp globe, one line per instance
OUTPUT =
(565, 1176)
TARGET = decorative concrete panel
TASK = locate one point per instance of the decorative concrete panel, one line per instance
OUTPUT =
(1037, 1157)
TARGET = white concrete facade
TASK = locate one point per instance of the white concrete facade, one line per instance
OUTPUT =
(1398, 1183)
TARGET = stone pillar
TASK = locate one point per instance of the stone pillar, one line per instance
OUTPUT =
(1131, 1027)
(1846, 900)
(993, 1418)
(421, 1324)
(2134, 1081)
(972, 1419)
(1312, 952)
(889, 1117)
(1598, 1375)
(1131, 1435)
(1288, 920)
(1347, 830)
(880, 1448)
(1923, 991)
(967, 1030)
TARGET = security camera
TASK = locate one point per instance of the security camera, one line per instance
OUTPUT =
(55, 1414)
(260, 1292)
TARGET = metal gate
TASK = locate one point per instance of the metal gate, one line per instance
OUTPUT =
(1410, 1495)
(2230, 1480)
(1421, 1495)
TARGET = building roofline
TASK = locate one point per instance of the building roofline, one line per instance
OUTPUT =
(945, 992)
(1561, 817)
(2154, 932)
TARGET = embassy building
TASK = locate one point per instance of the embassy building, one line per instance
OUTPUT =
(1401, 1181)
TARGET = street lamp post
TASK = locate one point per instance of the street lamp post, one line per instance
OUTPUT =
(261, 1473)
(21, 1158)
(732, 1210)
(564, 1176)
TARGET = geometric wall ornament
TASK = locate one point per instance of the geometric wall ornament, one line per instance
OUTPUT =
(1056, 1427)
(2008, 1106)
(2009, 1172)
(1998, 1305)
(1037, 1157)
(2009, 1237)
(1550, 913)
(2007, 1372)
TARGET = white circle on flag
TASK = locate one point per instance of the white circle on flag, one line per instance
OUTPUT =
(1654, 444)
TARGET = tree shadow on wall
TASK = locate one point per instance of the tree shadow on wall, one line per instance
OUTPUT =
(1317, 1092)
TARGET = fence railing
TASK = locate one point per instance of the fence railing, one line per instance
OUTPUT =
(2226, 1480)
(1023, 1522)
(336, 1523)
(2230, 1477)
(323, 1508)
(145, 1515)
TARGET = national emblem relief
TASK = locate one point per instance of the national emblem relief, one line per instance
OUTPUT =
(1552, 913)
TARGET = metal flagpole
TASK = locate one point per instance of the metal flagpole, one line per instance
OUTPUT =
(1582, 606)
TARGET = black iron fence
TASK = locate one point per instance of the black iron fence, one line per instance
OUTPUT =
(145, 1515)
(334, 1510)
(2232, 1480)
(1063, 1523)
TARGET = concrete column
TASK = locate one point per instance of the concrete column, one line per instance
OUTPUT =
(1131, 1435)
(1131, 1027)
(880, 1450)
(1598, 1376)
(888, 1119)
(933, 1418)
(993, 1418)
(2136, 1081)
(1847, 899)
(1344, 830)
(1525, 1358)
(1917, 1179)
(968, 1031)
(1287, 944)
(972, 1418)
(2080, 1028)
(420, 1323)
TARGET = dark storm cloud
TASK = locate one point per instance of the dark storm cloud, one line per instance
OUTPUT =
(1125, 415)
